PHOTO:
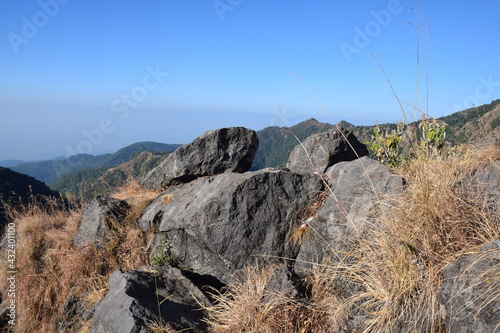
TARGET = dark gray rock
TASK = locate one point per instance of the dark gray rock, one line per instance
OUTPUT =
(224, 150)
(76, 313)
(131, 304)
(324, 150)
(98, 220)
(350, 209)
(216, 225)
(469, 296)
(286, 283)
(487, 182)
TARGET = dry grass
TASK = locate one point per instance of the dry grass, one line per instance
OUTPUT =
(157, 327)
(250, 306)
(50, 269)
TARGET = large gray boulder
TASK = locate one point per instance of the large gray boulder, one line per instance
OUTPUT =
(99, 218)
(216, 225)
(322, 150)
(218, 151)
(132, 304)
(352, 207)
(469, 296)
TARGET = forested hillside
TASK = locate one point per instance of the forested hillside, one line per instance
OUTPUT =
(276, 143)
(86, 184)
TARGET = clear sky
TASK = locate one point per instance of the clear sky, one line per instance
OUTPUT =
(94, 76)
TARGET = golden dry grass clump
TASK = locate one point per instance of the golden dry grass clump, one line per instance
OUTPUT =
(250, 305)
(49, 267)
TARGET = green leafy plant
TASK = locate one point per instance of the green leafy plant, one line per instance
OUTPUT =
(164, 256)
(433, 133)
(390, 148)
(386, 146)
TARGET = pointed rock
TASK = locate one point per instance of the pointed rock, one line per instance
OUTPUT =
(223, 150)
(320, 151)
(98, 219)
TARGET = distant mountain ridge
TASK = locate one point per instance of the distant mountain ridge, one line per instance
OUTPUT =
(475, 122)
(14, 162)
(276, 143)
(87, 184)
(49, 171)
(11, 163)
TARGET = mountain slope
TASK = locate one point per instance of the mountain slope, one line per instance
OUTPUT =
(50, 171)
(473, 123)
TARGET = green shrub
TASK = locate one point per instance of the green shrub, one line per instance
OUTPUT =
(392, 147)
(164, 256)
(385, 146)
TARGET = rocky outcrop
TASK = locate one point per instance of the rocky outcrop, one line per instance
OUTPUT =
(320, 151)
(469, 294)
(138, 300)
(98, 220)
(350, 209)
(215, 152)
(216, 225)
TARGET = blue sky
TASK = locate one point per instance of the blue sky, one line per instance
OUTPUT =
(92, 77)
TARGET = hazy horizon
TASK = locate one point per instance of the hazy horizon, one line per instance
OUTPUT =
(93, 77)
(277, 121)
